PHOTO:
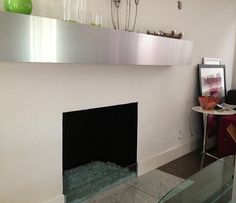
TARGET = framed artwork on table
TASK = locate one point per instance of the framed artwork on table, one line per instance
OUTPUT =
(212, 80)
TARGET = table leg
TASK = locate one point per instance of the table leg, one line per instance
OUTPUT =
(205, 116)
(202, 160)
(204, 152)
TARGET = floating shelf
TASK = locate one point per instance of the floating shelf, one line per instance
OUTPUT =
(26, 38)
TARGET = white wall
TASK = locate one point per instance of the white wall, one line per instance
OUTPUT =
(33, 97)
(234, 72)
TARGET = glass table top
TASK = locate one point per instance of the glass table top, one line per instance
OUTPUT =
(212, 184)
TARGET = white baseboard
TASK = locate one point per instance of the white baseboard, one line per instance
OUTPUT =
(58, 199)
(167, 156)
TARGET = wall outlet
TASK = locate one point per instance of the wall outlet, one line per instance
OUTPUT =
(180, 134)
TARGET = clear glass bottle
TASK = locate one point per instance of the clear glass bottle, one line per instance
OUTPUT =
(74, 10)
(82, 11)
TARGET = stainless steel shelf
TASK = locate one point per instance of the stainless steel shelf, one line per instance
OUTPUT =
(26, 38)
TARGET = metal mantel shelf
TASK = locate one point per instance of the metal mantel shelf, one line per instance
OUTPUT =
(26, 38)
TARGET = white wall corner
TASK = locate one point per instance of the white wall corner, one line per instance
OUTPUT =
(57, 199)
(167, 156)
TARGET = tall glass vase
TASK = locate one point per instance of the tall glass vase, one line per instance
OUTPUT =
(74, 10)
(18, 6)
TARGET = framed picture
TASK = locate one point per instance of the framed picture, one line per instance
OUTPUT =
(211, 61)
(212, 80)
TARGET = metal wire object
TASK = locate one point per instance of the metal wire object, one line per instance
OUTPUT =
(136, 13)
(128, 12)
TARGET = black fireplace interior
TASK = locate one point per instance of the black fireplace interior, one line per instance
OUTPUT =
(107, 134)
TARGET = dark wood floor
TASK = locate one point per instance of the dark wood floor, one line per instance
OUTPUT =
(187, 165)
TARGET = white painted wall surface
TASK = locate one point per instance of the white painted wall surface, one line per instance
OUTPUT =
(234, 72)
(33, 97)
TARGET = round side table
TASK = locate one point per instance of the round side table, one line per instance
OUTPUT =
(205, 116)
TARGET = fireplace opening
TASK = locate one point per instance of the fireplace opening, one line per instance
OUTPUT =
(100, 144)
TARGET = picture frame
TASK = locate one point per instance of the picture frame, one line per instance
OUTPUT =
(211, 61)
(212, 80)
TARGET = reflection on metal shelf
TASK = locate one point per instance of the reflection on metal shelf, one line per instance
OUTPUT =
(36, 39)
(43, 45)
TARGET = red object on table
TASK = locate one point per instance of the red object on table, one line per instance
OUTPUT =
(208, 102)
(226, 144)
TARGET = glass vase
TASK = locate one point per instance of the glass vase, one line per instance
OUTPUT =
(18, 6)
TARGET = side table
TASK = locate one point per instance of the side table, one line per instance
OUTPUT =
(205, 116)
